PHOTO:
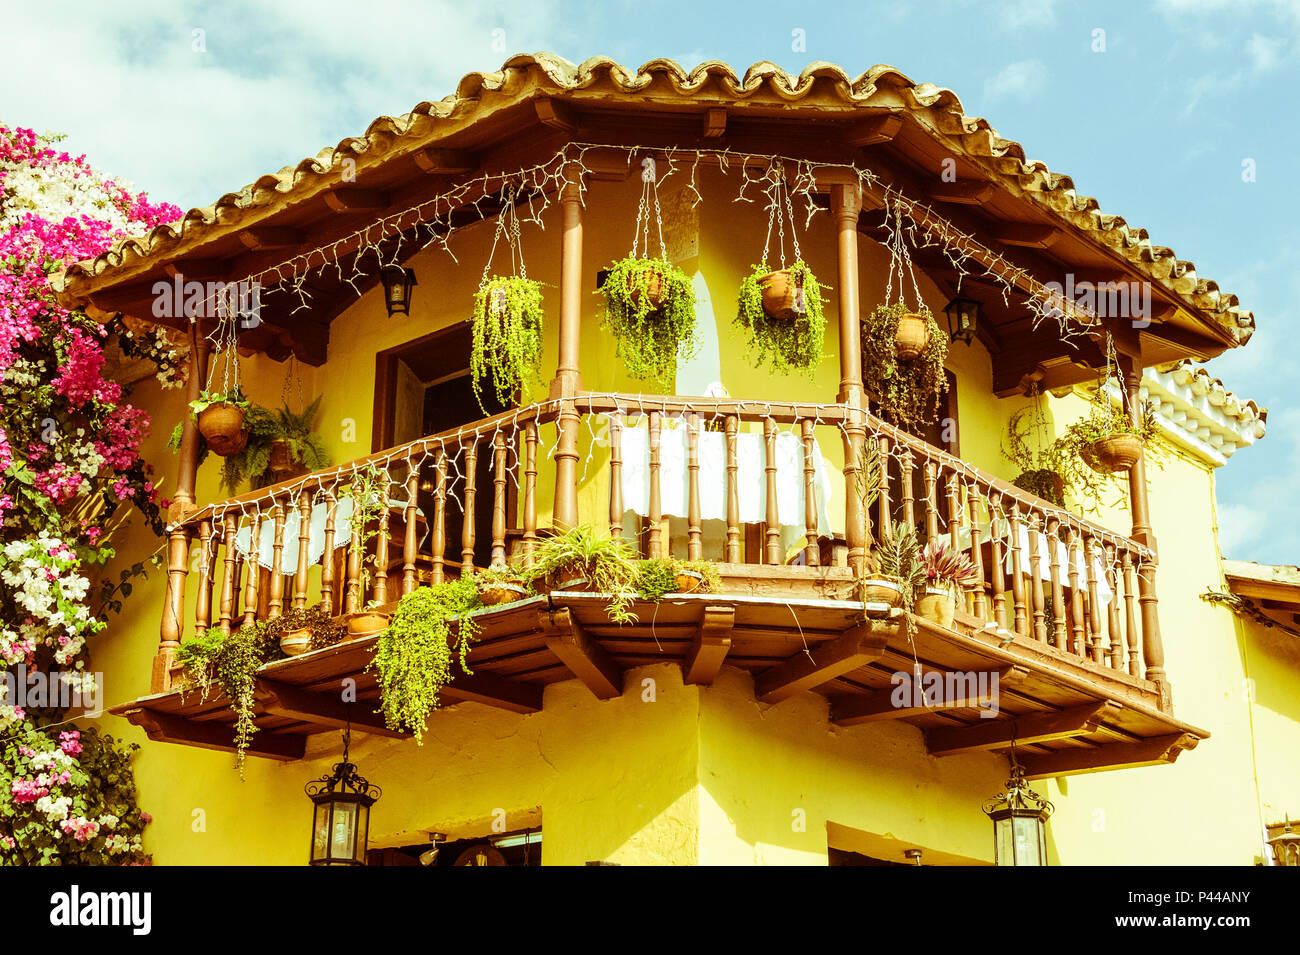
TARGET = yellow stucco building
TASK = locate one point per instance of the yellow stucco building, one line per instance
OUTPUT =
(751, 725)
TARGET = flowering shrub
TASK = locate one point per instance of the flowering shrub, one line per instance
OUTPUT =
(70, 475)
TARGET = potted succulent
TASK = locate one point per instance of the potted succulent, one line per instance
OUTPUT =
(506, 332)
(650, 309)
(1043, 467)
(367, 492)
(220, 417)
(581, 559)
(500, 584)
(782, 313)
(947, 572)
(908, 389)
(894, 571)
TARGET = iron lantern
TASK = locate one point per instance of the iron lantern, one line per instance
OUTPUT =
(398, 283)
(963, 316)
(1019, 822)
(1286, 845)
(341, 804)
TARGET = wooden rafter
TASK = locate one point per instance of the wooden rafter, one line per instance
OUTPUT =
(854, 648)
(850, 710)
(874, 130)
(1069, 762)
(492, 690)
(167, 728)
(711, 645)
(320, 709)
(355, 199)
(586, 659)
(1022, 730)
(715, 122)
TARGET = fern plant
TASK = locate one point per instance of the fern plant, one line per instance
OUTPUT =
(907, 392)
(506, 338)
(784, 345)
(651, 340)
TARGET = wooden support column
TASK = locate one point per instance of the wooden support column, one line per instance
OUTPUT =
(568, 378)
(1153, 650)
(846, 206)
(178, 536)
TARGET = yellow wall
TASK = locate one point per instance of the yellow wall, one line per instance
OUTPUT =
(710, 776)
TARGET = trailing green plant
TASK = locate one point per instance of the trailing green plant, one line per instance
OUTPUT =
(506, 338)
(651, 341)
(1103, 420)
(1039, 466)
(908, 393)
(368, 491)
(231, 662)
(325, 629)
(784, 344)
(657, 576)
(608, 564)
(206, 399)
(415, 656)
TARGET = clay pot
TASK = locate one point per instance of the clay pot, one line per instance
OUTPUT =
(296, 642)
(688, 581)
(882, 590)
(937, 606)
(283, 464)
(1119, 452)
(654, 291)
(564, 582)
(783, 299)
(495, 301)
(222, 427)
(498, 593)
(365, 623)
(912, 338)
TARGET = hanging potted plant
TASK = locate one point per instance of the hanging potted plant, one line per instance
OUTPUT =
(506, 327)
(1042, 463)
(500, 584)
(220, 416)
(581, 559)
(947, 573)
(295, 448)
(1107, 440)
(368, 492)
(650, 303)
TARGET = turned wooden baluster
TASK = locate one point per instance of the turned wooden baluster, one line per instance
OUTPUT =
(499, 497)
(1134, 636)
(353, 597)
(976, 552)
(1094, 605)
(203, 602)
(693, 538)
(954, 515)
(253, 560)
(909, 506)
(1112, 611)
(1054, 545)
(772, 521)
(1036, 542)
(467, 529)
(411, 537)
(304, 545)
(1076, 595)
(812, 550)
(275, 590)
(232, 571)
(731, 425)
(1017, 573)
(885, 516)
(438, 543)
(327, 557)
(530, 487)
(996, 572)
(616, 475)
(931, 502)
(381, 546)
(654, 545)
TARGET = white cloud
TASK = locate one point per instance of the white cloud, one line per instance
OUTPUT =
(1027, 14)
(1265, 52)
(1020, 80)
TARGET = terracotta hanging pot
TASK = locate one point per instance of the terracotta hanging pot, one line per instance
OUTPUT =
(500, 593)
(937, 606)
(783, 298)
(222, 427)
(882, 589)
(653, 290)
(284, 464)
(912, 338)
(296, 642)
(1117, 453)
(365, 623)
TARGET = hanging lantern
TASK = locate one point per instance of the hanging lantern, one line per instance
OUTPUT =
(341, 813)
(1019, 822)
(963, 316)
(1286, 845)
(398, 283)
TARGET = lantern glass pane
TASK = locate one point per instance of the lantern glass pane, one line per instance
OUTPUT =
(320, 832)
(1028, 840)
(1003, 842)
(343, 831)
(363, 825)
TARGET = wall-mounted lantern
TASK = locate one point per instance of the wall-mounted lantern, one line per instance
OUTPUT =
(398, 283)
(963, 316)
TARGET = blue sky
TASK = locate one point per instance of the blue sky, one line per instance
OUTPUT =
(1156, 127)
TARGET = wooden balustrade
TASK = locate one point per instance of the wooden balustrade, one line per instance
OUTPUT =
(1047, 576)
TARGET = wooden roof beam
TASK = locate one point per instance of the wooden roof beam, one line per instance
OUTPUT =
(319, 709)
(555, 114)
(1027, 235)
(851, 710)
(1022, 730)
(167, 728)
(711, 645)
(855, 648)
(585, 658)
(355, 199)
(966, 192)
(1070, 762)
(493, 690)
(445, 162)
(715, 122)
(874, 130)
(271, 238)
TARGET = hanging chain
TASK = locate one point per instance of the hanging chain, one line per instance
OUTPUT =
(224, 339)
(777, 213)
(507, 226)
(292, 372)
(649, 195)
(900, 260)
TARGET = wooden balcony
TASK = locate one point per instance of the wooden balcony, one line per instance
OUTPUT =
(1065, 622)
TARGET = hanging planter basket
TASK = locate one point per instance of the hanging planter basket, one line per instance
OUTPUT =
(1045, 483)
(912, 337)
(506, 337)
(783, 295)
(651, 292)
(284, 462)
(1114, 454)
(222, 427)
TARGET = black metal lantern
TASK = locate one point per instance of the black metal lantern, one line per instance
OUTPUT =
(963, 316)
(341, 813)
(1019, 822)
(398, 283)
